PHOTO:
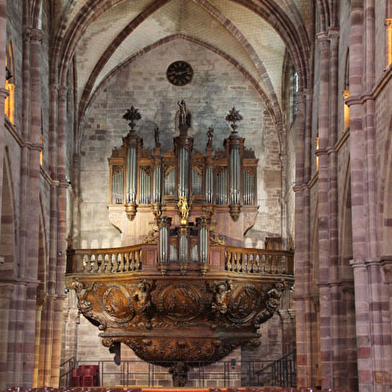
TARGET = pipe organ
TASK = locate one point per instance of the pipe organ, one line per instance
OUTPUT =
(142, 179)
(182, 287)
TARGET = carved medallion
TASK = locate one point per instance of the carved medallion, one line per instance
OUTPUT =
(117, 304)
(244, 304)
(180, 302)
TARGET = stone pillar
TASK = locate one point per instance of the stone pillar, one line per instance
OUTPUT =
(326, 353)
(48, 337)
(58, 316)
(301, 261)
(37, 346)
(33, 200)
(6, 291)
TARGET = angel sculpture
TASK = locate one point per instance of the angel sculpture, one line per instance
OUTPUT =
(184, 208)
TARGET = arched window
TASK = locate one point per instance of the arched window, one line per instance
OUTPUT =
(9, 106)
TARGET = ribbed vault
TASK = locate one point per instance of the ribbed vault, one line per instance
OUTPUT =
(99, 35)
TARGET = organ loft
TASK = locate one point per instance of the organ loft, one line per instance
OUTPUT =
(183, 288)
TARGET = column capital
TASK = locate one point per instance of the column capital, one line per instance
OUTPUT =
(6, 289)
(353, 100)
(27, 35)
(62, 93)
(333, 33)
(357, 263)
(36, 36)
(54, 86)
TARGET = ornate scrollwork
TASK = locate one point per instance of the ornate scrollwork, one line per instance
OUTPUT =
(151, 237)
(167, 170)
(146, 169)
(217, 239)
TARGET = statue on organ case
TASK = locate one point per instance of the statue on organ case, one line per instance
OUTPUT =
(183, 111)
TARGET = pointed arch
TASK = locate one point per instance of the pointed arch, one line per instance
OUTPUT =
(264, 96)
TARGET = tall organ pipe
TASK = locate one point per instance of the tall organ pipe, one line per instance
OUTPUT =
(203, 245)
(157, 185)
(163, 244)
(131, 178)
(183, 249)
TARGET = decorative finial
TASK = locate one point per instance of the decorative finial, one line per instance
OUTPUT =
(234, 116)
(132, 115)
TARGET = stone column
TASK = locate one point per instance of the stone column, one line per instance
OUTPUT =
(37, 345)
(6, 291)
(357, 148)
(339, 361)
(48, 336)
(58, 316)
(326, 353)
(301, 287)
(33, 200)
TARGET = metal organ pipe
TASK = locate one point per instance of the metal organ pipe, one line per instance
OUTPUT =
(157, 185)
(235, 176)
(163, 244)
(183, 249)
(131, 178)
(203, 244)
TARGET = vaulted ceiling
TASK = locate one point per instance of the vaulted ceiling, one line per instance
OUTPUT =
(101, 34)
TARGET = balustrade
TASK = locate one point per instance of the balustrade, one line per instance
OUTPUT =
(259, 261)
(129, 259)
(110, 260)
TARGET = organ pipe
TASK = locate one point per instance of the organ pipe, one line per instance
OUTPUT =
(235, 178)
(183, 249)
(183, 176)
(209, 186)
(132, 176)
(157, 183)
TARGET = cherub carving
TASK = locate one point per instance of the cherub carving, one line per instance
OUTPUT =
(142, 296)
(221, 291)
(274, 296)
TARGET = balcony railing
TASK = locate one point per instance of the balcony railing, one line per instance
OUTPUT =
(138, 258)
(259, 261)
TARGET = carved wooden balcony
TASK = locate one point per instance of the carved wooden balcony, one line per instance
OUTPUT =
(187, 314)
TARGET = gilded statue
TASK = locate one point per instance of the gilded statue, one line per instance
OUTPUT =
(184, 208)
